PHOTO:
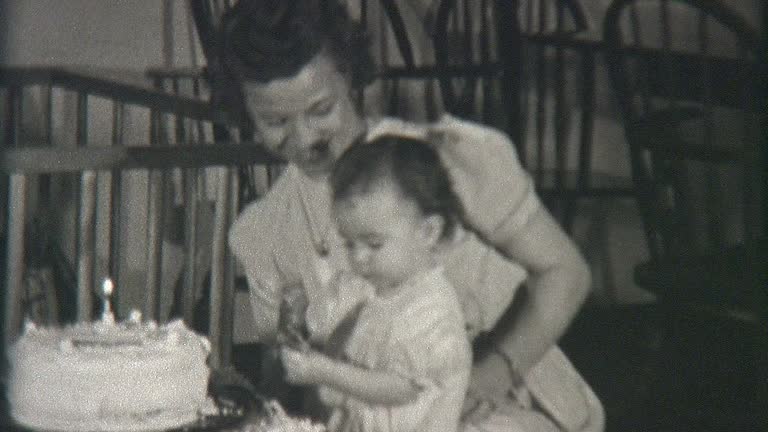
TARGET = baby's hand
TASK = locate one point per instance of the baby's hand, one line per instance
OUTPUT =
(301, 367)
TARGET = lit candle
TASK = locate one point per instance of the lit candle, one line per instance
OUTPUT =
(107, 288)
(135, 317)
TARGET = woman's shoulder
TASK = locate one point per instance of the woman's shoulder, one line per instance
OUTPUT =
(470, 129)
(258, 218)
(455, 138)
(378, 126)
(473, 144)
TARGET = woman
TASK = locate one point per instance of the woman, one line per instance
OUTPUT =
(297, 66)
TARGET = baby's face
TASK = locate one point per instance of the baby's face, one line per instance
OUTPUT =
(387, 236)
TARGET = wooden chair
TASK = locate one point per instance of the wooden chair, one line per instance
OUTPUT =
(467, 59)
(406, 78)
(527, 68)
(686, 76)
(479, 45)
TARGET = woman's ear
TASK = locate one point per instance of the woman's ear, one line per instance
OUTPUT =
(433, 229)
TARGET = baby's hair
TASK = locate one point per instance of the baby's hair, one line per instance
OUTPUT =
(412, 164)
(262, 40)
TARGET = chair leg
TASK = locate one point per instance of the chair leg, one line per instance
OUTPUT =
(570, 207)
(663, 370)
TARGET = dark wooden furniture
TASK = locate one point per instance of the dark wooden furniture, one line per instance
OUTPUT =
(687, 77)
(691, 107)
(524, 67)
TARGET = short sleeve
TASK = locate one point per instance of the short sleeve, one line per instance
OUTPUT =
(495, 189)
(484, 279)
(431, 354)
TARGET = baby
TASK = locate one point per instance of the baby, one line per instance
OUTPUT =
(405, 365)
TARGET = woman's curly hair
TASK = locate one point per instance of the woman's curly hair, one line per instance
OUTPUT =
(263, 40)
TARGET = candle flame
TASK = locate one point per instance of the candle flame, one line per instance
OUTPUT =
(108, 287)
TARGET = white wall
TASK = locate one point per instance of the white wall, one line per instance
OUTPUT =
(126, 35)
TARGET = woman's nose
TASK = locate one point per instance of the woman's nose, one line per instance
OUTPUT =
(359, 257)
(304, 133)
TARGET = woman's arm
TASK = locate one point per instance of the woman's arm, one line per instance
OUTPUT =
(557, 286)
(502, 207)
(252, 242)
(558, 283)
(375, 387)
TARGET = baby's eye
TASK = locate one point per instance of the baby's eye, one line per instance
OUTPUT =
(349, 244)
(375, 245)
(274, 121)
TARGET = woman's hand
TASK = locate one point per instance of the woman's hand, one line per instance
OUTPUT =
(489, 385)
(301, 367)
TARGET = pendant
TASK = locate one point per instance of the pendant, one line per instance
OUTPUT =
(322, 248)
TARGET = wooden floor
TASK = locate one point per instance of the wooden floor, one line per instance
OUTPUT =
(707, 381)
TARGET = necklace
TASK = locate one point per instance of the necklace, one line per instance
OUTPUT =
(318, 237)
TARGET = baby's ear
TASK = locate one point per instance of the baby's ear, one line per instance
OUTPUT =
(433, 229)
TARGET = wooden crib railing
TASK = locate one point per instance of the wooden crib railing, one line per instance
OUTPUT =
(95, 165)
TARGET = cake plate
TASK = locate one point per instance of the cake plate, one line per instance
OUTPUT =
(237, 402)
(235, 399)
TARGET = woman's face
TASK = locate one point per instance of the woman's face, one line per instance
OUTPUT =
(308, 119)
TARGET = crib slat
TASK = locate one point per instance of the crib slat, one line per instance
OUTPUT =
(13, 116)
(14, 274)
(587, 104)
(47, 96)
(154, 243)
(82, 120)
(218, 268)
(508, 35)
(190, 244)
(86, 219)
(562, 116)
(228, 305)
(155, 218)
(198, 123)
(86, 245)
(116, 186)
(46, 93)
(178, 120)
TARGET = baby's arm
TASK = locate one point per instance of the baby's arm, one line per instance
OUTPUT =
(374, 387)
(345, 294)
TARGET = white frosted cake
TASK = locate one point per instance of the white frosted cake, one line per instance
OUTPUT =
(107, 376)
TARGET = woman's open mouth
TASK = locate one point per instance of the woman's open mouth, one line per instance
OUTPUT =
(317, 158)
(319, 151)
